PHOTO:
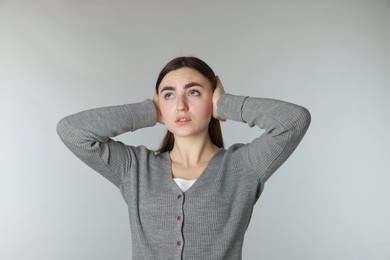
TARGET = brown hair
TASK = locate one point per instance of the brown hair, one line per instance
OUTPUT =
(215, 132)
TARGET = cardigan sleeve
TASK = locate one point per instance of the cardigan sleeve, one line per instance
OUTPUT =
(284, 123)
(88, 134)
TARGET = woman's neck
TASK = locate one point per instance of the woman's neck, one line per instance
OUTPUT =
(190, 151)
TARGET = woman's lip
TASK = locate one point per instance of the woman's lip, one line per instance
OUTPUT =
(183, 119)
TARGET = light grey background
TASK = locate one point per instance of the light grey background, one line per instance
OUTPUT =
(330, 200)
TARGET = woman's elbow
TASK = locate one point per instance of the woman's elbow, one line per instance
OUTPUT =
(63, 129)
(303, 120)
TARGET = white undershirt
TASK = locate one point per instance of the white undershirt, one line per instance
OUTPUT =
(184, 185)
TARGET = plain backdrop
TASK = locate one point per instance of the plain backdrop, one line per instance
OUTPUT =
(330, 200)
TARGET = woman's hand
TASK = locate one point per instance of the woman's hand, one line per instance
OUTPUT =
(156, 104)
(218, 91)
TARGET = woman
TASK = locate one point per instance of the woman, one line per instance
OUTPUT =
(193, 199)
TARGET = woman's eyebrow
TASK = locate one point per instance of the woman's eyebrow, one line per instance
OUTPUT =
(193, 84)
(167, 88)
(188, 85)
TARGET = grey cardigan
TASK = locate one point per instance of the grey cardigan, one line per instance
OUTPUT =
(210, 219)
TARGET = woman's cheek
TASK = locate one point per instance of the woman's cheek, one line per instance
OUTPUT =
(208, 109)
(165, 115)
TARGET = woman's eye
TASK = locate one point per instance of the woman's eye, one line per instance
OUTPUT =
(168, 96)
(194, 93)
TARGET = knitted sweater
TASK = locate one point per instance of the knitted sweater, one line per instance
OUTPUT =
(209, 220)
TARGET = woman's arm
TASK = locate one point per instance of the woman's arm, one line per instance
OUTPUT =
(87, 134)
(285, 125)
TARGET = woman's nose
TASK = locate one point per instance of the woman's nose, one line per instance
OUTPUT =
(181, 104)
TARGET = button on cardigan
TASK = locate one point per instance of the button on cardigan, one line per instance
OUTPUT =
(209, 220)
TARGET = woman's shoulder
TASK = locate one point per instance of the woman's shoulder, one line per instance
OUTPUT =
(234, 147)
(233, 152)
(141, 151)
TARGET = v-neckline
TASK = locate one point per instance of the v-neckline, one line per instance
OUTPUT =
(202, 177)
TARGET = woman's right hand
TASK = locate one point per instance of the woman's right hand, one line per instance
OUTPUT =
(156, 104)
(218, 91)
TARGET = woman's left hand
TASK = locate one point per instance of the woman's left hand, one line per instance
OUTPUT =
(218, 91)
(156, 103)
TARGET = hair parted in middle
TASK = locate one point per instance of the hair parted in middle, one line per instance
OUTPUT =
(199, 65)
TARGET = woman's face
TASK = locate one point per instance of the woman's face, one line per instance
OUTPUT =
(185, 100)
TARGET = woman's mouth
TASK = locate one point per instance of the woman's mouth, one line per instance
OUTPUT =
(183, 120)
